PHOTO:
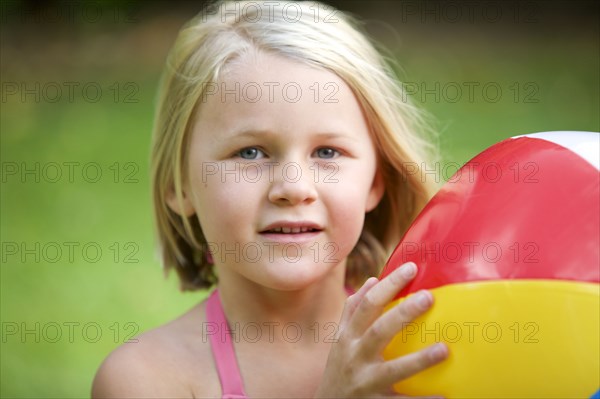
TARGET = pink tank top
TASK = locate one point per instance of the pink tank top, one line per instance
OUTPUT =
(221, 345)
(222, 350)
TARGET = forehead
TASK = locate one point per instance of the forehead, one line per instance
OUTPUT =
(275, 93)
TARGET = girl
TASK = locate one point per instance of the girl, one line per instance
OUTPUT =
(283, 170)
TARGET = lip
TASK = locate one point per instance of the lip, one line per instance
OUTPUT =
(298, 238)
(292, 225)
(307, 236)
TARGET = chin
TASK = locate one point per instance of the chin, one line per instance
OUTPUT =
(286, 276)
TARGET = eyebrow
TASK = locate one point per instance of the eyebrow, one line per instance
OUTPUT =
(247, 133)
(257, 133)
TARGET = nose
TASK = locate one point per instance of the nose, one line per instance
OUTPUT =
(292, 185)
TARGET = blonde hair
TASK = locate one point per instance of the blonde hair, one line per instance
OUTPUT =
(314, 34)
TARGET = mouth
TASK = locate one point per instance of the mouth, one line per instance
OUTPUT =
(291, 228)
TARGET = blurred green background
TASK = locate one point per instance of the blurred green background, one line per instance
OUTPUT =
(79, 274)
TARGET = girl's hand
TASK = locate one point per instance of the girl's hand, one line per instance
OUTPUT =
(355, 367)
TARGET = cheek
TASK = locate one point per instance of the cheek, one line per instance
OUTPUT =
(354, 184)
(346, 222)
(223, 205)
(346, 201)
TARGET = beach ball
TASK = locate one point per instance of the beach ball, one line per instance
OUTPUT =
(509, 248)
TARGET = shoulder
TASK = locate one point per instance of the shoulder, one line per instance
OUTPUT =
(131, 370)
(173, 360)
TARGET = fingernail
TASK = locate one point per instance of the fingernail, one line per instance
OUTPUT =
(423, 299)
(438, 351)
(408, 270)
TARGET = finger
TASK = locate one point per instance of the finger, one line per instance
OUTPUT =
(394, 320)
(403, 367)
(373, 302)
(354, 299)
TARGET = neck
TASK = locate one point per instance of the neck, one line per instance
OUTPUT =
(279, 313)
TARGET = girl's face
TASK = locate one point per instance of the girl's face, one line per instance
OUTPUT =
(281, 171)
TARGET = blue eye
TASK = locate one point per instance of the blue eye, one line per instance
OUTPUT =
(250, 153)
(326, 153)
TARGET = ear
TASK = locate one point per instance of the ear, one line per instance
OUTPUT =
(185, 208)
(376, 192)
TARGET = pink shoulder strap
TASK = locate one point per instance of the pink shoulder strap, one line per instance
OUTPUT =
(222, 350)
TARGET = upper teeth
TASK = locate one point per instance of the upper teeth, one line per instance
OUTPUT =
(290, 229)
